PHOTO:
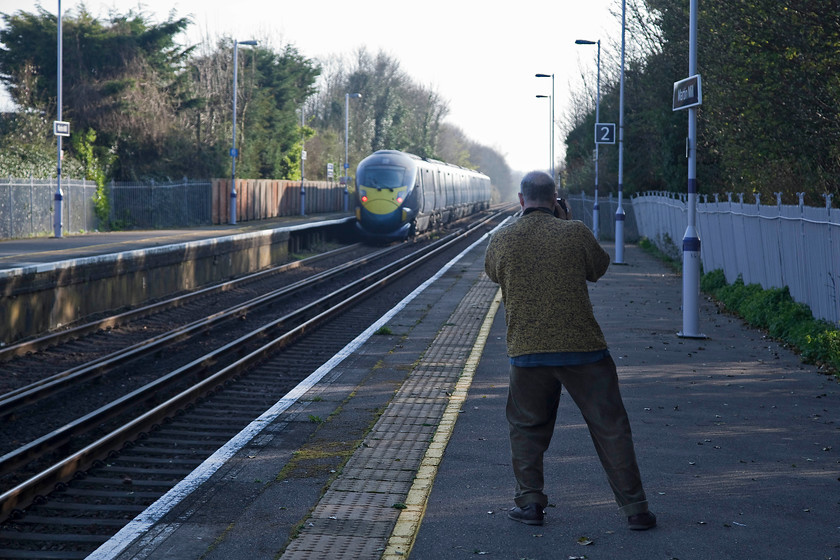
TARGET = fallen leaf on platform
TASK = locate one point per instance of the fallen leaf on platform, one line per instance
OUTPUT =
(585, 541)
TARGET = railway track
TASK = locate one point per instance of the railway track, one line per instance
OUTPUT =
(67, 491)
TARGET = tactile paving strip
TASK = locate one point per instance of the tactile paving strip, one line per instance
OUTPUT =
(355, 517)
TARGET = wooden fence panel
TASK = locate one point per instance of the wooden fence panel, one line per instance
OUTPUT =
(260, 199)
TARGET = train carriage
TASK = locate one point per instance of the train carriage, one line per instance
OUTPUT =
(398, 194)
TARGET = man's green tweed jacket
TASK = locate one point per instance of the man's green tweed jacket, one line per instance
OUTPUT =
(542, 264)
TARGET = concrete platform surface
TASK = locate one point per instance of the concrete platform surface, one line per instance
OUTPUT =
(34, 251)
(738, 444)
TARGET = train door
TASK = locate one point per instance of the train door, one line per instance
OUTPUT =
(440, 196)
(419, 199)
(428, 190)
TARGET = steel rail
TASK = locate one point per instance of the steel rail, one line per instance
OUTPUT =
(29, 394)
(317, 312)
(119, 319)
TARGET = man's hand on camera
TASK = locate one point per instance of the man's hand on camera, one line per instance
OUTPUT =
(562, 210)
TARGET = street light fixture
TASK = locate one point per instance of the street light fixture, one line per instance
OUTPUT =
(233, 152)
(595, 212)
(551, 139)
(347, 97)
(551, 101)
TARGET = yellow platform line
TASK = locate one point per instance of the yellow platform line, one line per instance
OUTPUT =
(408, 524)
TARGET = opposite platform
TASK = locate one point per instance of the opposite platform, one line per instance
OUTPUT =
(40, 251)
(47, 283)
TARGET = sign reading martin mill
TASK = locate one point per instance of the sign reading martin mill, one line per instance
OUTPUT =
(687, 93)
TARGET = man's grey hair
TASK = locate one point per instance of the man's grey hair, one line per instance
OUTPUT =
(538, 186)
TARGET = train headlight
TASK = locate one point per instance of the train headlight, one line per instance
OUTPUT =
(399, 200)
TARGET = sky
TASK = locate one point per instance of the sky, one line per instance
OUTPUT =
(480, 57)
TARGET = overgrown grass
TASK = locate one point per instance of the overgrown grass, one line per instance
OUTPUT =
(775, 311)
(651, 248)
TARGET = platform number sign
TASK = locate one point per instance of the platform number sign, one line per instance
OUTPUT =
(605, 133)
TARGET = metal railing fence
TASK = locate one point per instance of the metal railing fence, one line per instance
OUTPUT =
(770, 245)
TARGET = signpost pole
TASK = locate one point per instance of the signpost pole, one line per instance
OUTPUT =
(691, 240)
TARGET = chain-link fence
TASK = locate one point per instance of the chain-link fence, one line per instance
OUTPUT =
(27, 206)
(183, 203)
(583, 209)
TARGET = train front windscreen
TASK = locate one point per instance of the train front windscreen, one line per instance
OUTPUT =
(381, 177)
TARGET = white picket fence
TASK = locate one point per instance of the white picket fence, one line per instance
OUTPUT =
(771, 245)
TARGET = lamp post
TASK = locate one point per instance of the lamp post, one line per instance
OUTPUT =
(619, 213)
(551, 102)
(551, 132)
(233, 152)
(595, 212)
(347, 97)
(302, 162)
(59, 196)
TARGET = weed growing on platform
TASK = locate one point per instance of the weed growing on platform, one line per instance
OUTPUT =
(775, 311)
(649, 247)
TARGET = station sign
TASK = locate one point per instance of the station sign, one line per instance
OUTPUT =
(687, 93)
(605, 133)
(61, 128)
(330, 171)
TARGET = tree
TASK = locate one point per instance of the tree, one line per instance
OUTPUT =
(121, 78)
(770, 119)
(281, 82)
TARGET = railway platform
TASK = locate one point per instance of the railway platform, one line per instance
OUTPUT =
(47, 282)
(42, 252)
(737, 443)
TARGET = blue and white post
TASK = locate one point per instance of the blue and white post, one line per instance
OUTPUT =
(688, 92)
(619, 213)
(596, 212)
(234, 153)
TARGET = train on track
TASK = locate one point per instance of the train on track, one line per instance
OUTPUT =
(398, 195)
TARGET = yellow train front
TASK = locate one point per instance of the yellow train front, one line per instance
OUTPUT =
(400, 194)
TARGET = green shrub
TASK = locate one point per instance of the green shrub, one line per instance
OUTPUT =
(775, 311)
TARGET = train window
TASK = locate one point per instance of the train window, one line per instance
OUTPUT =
(381, 176)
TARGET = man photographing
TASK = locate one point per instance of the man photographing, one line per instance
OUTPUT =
(542, 264)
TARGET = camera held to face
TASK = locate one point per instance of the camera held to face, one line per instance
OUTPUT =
(562, 210)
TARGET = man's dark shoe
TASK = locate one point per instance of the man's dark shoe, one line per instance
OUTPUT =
(641, 521)
(532, 514)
